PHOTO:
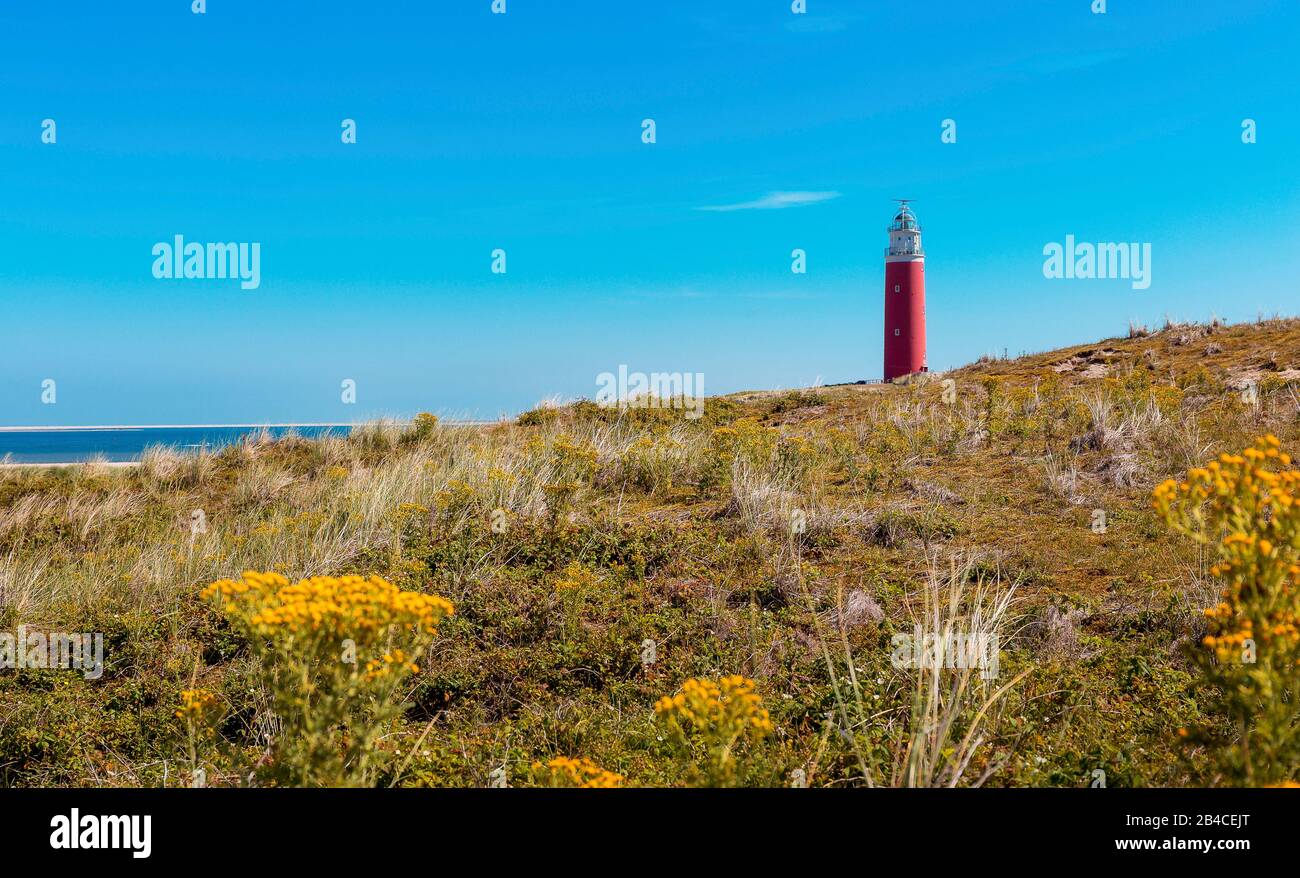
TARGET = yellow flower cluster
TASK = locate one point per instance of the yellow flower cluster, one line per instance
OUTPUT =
(798, 446)
(561, 490)
(344, 606)
(745, 438)
(648, 450)
(457, 496)
(305, 521)
(196, 704)
(746, 441)
(710, 722)
(726, 709)
(583, 773)
(651, 462)
(1251, 499)
(333, 653)
(576, 578)
(573, 460)
(390, 663)
(424, 423)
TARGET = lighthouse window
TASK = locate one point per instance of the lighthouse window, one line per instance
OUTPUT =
(896, 332)
(898, 288)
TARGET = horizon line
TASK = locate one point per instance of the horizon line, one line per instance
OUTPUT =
(52, 427)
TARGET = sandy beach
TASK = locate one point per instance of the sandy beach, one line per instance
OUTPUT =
(106, 463)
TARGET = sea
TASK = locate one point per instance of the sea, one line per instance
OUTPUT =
(126, 444)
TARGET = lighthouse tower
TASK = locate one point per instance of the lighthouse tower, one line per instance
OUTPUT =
(904, 297)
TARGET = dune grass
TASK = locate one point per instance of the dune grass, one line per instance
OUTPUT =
(784, 539)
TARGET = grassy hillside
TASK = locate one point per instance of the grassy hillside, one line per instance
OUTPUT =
(784, 538)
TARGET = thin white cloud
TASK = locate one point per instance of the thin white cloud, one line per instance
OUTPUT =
(775, 201)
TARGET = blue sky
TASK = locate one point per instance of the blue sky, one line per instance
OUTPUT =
(523, 132)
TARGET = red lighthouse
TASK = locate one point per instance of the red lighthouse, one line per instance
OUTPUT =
(904, 297)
